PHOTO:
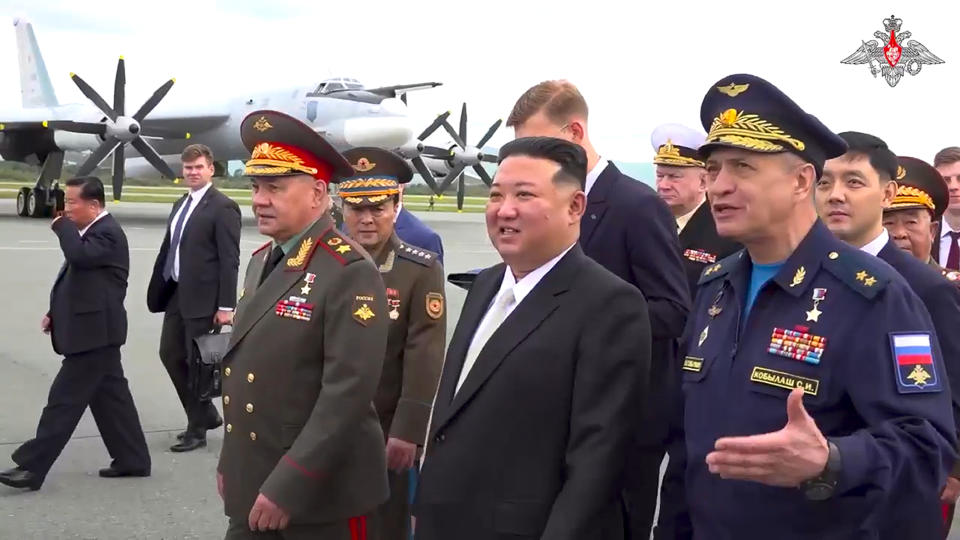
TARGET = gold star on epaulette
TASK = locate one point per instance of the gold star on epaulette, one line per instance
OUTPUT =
(343, 249)
(869, 281)
(861, 275)
(712, 269)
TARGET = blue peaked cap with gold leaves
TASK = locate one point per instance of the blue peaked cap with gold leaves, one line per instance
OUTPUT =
(745, 111)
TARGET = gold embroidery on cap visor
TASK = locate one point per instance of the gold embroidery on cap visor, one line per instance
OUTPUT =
(370, 190)
(749, 131)
(668, 154)
(268, 159)
(911, 197)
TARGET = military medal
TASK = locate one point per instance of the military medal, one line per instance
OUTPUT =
(818, 296)
(307, 280)
(294, 310)
(797, 344)
(393, 302)
(714, 310)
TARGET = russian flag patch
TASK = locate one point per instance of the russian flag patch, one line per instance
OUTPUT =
(914, 364)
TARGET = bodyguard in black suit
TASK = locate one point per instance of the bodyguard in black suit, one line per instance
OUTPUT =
(544, 375)
(852, 195)
(630, 232)
(194, 283)
(88, 324)
(682, 184)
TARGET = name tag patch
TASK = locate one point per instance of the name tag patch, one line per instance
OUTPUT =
(294, 310)
(797, 345)
(782, 379)
(913, 360)
(692, 363)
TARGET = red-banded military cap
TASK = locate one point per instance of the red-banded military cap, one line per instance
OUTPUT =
(281, 145)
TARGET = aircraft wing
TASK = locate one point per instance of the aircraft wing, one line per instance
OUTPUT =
(190, 119)
(400, 89)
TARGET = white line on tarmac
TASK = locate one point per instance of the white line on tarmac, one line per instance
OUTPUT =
(57, 248)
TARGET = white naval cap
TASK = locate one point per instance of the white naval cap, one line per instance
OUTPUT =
(676, 144)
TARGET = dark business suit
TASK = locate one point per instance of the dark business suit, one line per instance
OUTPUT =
(534, 442)
(700, 245)
(631, 232)
(89, 324)
(415, 232)
(207, 281)
(912, 518)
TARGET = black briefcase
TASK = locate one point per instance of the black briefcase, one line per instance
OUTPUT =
(207, 359)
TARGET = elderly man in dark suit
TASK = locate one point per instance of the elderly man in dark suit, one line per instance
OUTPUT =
(544, 375)
(88, 324)
(630, 231)
(194, 283)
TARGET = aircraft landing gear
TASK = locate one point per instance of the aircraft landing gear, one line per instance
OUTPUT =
(46, 196)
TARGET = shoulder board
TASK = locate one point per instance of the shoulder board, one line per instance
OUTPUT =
(862, 272)
(344, 250)
(415, 254)
(713, 271)
(261, 248)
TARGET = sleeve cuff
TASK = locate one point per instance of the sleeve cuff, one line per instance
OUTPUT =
(225, 308)
(855, 459)
(410, 421)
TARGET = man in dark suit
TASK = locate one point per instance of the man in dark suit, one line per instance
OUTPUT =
(852, 196)
(544, 375)
(946, 245)
(682, 184)
(88, 324)
(630, 231)
(194, 283)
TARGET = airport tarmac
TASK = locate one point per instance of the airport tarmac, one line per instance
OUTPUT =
(179, 500)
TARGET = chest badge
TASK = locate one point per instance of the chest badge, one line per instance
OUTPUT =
(712, 312)
(814, 314)
(307, 281)
(393, 302)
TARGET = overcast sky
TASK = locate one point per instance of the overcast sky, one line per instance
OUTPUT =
(638, 64)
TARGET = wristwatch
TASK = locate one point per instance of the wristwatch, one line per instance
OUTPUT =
(822, 487)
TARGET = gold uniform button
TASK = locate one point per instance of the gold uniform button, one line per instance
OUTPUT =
(226, 371)
(833, 255)
(229, 428)
(249, 407)
(253, 436)
(226, 400)
(250, 377)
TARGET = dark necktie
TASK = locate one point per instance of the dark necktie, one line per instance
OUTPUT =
(953, 257)
(275, 257)
(175, 240)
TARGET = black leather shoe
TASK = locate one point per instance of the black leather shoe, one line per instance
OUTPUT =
(20, 478)
(190, 442)
(110, 472)
(214, 424)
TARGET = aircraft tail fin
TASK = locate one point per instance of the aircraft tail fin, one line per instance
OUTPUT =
(36, 90)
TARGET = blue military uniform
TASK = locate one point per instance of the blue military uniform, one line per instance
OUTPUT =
(835, 321)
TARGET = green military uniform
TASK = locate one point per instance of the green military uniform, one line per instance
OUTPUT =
(415, 344)
(303, 363)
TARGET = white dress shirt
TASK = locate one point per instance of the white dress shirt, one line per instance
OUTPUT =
(945, 240)
(684, 219)
(96, 219)
(195, 197)
(520, 290)
(595, 173)
(875, 245)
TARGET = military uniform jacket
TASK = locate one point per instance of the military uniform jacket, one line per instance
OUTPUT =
(416, 310)
(299, 379)
(845, 327)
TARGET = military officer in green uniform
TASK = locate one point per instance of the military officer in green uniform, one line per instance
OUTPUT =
(303, 453)
(415, 307)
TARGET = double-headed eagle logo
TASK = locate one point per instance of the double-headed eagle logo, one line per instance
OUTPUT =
(892, 59)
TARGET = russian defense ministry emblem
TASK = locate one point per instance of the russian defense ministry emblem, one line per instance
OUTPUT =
(893, 54)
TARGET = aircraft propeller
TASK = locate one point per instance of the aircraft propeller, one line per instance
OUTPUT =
(119, 130)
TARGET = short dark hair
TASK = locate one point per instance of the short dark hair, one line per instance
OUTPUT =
(881, 158)
(948, 155)
(91, 188)
(559, 100)
(194, 151)
(571, 157)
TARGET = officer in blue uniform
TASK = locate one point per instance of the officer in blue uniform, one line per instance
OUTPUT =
(813, 384)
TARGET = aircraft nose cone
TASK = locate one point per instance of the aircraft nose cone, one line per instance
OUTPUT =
(134, 128)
